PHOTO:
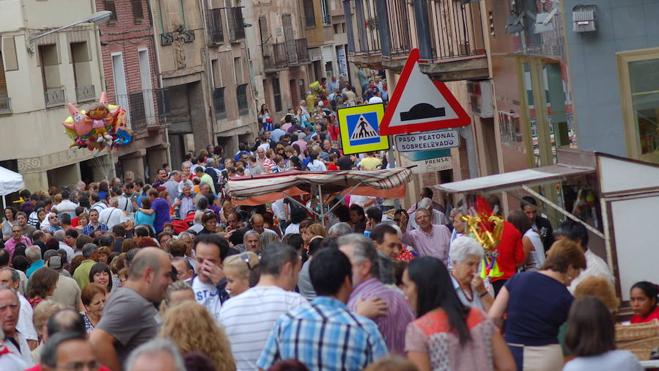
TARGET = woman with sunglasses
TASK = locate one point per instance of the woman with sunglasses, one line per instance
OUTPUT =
(242, 272)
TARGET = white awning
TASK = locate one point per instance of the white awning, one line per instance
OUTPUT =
(516, 179)
(10, 181)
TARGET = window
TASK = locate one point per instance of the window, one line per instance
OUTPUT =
(238, 70)
(325, 12)
(218, 103)
(215, 30)
(640, 83)
(8, 52)
(109, 5)
(236, 24)
(309, 16)
(52, 85)
(276, 93)
(241, 97)
(138, 13)
(80, 58)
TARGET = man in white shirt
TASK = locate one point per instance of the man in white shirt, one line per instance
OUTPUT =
(249, 317)
(10, 278)
(595, 266)
(375, 98)
(112, 215)
(9, 315)
(66, 206)
(209, 282)
(438, 217)
(63, 241)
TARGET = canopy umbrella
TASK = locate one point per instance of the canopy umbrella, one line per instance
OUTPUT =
(386, 183)
(10, 182)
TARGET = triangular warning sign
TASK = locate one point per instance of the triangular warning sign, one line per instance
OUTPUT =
(421, 104)
(363, 130)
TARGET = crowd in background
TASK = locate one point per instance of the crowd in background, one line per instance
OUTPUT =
(174, 275)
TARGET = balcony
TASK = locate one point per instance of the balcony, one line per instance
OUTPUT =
(85, 93)
(145, 109)
(54, 97)
(302, 50)
(382, 37)
(236, 24)
(279, 56)
(215, 30)
(5, 105)
(456, 41)
(274, 56)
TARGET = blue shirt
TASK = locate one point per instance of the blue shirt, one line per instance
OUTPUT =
(146, 219)
(89, 229)
(537, 307)
(161, 208)
(34, 267)
(324, 335)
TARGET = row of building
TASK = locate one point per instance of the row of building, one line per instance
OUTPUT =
(189, 72)
(535, 76)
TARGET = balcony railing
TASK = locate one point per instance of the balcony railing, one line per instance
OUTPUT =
(54, 97)
(274, 56)
(302, 50)
(455, 29)
(145, 108)
(236, 24)
(289, 53)
(368, 32)
(5, 105)
(85, 93)
(400, 39)
(215, 30)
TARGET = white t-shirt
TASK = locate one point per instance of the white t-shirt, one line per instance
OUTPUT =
(595, 266)
(70, 253)
(615, 360)
(207, 295)
(111, 216)
(537, 256)
(23, 352)
(292, 229)
(375, 99)
(249, 317)
(24, 324)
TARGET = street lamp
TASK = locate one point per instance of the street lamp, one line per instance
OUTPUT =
(98, 17)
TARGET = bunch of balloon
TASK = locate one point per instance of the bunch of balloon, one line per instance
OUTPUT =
(102, 126)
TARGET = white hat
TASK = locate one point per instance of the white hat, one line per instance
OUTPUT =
(425, 203)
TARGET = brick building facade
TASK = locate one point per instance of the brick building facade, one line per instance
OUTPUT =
(130, 66)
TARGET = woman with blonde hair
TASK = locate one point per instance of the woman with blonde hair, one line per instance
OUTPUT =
(193, 329)
(242, 272)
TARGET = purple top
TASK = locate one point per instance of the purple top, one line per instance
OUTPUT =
(161, 208)
(435, 243)
(393, 325)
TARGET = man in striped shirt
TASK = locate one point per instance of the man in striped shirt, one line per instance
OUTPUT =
(249, 317)
(325, 335)
(365, 273)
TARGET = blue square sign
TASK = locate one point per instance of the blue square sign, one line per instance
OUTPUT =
(363, 128)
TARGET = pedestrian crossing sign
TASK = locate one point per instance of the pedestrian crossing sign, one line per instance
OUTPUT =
(359, 127)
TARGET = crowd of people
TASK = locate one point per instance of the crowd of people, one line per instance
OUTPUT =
(174, 275)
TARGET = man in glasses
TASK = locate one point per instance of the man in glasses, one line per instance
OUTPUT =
(16, 238)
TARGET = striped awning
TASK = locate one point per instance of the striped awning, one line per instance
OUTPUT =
(375, 182)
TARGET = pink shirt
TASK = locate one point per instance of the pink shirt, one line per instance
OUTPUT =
(11, 243)
(435, 243)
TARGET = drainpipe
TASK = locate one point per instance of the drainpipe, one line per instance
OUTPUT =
(160, 82)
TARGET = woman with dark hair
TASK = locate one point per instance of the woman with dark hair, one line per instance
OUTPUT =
(145, 215)
(8, 222)
(103, 190)
(357, 218)
(591, 338)
(101, 275)
(41, 285)
(209, 221)
(93, 299)
(643, 298)
(537, 304)
(447, 334)
(534, 251)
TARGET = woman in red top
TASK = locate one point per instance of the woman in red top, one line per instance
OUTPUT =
(643, 299)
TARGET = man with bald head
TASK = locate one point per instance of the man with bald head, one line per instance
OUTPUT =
(130, 316)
